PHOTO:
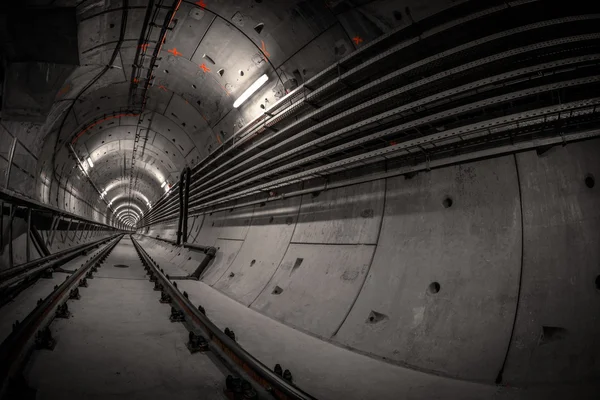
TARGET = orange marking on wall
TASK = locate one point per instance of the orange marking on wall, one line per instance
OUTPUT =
(100, 121)
(264, 49)
(218, 138)
(200, 3)
(204, 67)
(357, 40)
(143, 46)
(65, 89)
(136, 80)
(163, 88)
(175, 52)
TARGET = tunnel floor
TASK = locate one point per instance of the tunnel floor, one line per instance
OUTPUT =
(119, 343)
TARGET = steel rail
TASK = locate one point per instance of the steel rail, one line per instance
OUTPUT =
(16, 348)
(260, 373)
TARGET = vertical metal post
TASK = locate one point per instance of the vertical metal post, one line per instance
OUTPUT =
(11, 154)
(2, 228)
(28, 246)
(10, 236)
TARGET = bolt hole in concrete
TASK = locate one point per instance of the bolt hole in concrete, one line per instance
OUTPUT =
(590, 181)
(552, 334)
(447, 202)
(434, 287)
(375, 317)
(277, 290)
(252, 262)
(121, 266)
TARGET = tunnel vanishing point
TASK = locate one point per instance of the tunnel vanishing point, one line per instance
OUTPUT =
(299, 199)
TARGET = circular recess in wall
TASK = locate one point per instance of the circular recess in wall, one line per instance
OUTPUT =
(447, 202)
(434, 287)
(590, 181)
(166, 71)
(598, 282)
(194, 86)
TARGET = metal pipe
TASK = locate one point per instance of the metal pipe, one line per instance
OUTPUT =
(10, 236)
(28, 249)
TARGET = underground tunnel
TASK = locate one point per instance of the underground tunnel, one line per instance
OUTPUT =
(299, 199)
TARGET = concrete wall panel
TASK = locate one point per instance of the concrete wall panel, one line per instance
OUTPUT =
(315, 286)
(348, 215)
(558, 324)
(471, 248)
(267, 241)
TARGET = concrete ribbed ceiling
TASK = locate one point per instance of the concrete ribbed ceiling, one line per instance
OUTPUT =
(213, 51)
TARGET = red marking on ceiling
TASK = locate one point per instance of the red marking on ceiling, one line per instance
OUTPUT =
(174, 51)
(100, 121)
(357, 40)
(204, 67)
(219, 138)
(136, 80)
(264, 49)
(65, 89)
(143, 46)
(201, 3)
(393, 143)
(163, 88)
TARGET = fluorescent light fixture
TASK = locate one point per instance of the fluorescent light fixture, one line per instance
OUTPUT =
(250, 91)
(163, 184)
(90, 162)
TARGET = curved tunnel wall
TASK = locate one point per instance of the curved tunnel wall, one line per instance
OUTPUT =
(511, 242)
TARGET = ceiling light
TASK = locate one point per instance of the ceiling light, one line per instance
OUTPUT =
(163, 184)
(250, 91)
(90, 162)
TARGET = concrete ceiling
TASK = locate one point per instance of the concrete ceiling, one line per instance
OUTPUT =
(212, 52)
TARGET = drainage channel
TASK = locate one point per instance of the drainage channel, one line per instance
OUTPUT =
(248, 378)
(34, 331)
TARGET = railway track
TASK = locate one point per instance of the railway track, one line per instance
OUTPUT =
(117, 327)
